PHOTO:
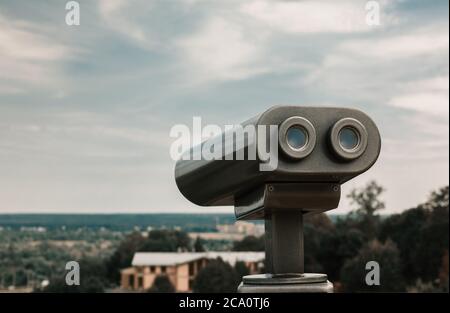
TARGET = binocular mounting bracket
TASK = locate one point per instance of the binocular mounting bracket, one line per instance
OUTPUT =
(283, 206)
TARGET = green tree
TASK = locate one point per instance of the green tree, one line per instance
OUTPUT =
(157, 241)
(434, 239)
(353, 272)
(405, 229)
(330, 249)
(162, 284)
(317, 229)
(93, 278)
(123, 255)
(21, 277)
(198, 245)
(241, 269)
(166, 241)
(443, 273)
(93, 284)
(320, 221)
(217, 276)
(438, 199)
(368, 203)
(249, 243)
(93, 273)
(422, 237)
(87, 285)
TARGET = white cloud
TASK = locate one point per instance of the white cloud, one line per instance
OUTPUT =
(120, 16)
(381, 61)
(429, 96)
(118, 158)
(419, 43)
(415, 151)
(29, 56)
(314, 16)
(402, 73)
(234, 40)
(239, 43)
(425, 102)
(221, 50)
(9, 89)
(426, 137)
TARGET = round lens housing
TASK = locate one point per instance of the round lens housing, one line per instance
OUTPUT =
(348, 138)
(297, 137)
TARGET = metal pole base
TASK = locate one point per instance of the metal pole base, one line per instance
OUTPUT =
(280, 283)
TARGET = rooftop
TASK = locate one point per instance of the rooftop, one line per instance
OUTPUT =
(174, 258)
(164, 258)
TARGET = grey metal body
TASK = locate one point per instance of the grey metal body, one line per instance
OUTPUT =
(228, 180)
(324, 287)
(284, 243)
(304, 182)
(281, 205)
(266, 283)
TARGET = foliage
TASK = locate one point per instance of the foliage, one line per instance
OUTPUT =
(89, 285)
(217, 276)
(199, 245)
(123, 255)
(116, 222)
(413, 243)
(249, 243)
(162, 284)
(405, 230)
(387, 256)
(368, 203)
(241, 269)
(165, 241)
(93, 278)
(426, 287)
(329, 249)
(157, 241)
(421, 235)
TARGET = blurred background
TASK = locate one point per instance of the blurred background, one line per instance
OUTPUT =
(86, 110)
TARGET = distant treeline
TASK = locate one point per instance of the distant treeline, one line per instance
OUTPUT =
(123, 222)
(120, 222)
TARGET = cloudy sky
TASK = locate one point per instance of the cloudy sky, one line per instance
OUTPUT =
(85, 111)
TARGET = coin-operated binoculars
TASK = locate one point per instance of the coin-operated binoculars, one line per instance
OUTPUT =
(280, 166)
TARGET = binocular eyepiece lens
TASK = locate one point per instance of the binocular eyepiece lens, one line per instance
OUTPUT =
(296, 137)
(349, 138)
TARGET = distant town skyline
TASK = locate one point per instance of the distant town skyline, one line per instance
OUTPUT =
(85, 111)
